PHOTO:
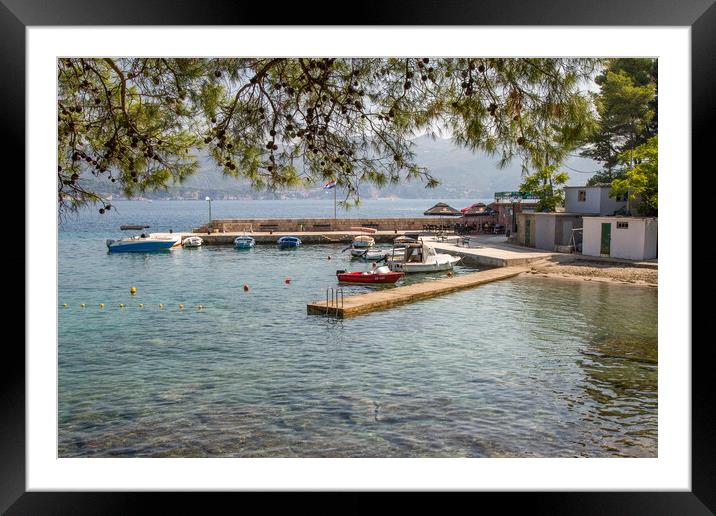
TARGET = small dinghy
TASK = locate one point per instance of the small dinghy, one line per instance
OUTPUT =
(289, 241)
(244, 242)
(378, 275)
(363, 241)
(371, 255)
(192, 241)
(365, 230)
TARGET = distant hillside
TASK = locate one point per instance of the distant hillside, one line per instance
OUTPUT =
(462, 173)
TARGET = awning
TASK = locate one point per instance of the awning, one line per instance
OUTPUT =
(479, 211)
(442, 209)
(476, 205)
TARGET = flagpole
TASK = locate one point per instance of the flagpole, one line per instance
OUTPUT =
(335, 216)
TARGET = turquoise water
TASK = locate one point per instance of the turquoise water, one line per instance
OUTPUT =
(528, 367)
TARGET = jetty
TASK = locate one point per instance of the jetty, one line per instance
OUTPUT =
(363, 303)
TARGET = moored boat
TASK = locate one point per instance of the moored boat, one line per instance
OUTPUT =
(192, 241)
(244, 242)
(378, 275)
(371, 254)
(140, 244)
(363, 241)
(289, 241)
(364, 229)
(420, 257)
(403, 239)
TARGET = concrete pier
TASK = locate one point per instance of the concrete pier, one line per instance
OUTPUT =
(363, 303)
(490, 250)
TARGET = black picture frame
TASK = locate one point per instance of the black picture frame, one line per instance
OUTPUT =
(700, 15)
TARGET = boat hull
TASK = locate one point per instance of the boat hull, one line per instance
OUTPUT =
(140, 246)
(441, 264)
(289, 242)
(369, 277)
(244, 243)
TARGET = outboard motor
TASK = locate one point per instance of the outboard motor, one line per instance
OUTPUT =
(109, 242)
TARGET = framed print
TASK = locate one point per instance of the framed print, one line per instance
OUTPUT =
(416, 250)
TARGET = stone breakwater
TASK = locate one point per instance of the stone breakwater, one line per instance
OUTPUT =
(323, 225)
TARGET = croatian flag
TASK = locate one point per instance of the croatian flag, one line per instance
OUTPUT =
(329, 185)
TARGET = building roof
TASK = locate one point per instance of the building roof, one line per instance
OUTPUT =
(598, 185)
(558, 213)
(519, 201)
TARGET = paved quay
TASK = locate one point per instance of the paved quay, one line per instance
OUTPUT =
(364, 303)
(490, 250)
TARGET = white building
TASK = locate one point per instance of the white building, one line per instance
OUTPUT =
(631, 238)
(548, 231)
(592, 199)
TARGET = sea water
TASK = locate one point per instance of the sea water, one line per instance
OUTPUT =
(525, 367)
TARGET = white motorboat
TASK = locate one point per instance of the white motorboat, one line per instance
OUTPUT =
(375, 254)
(421, 257)
(192, 241)
(141, 244)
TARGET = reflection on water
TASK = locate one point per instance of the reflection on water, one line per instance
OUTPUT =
(527, 367)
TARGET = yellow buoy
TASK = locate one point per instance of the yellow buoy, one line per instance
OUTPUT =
(101, 305)
(133, 290)
(121, 305)
(181, 307)
(64, 305)
(161, 306)
(141, 305)
(200, 307)
(82, 305)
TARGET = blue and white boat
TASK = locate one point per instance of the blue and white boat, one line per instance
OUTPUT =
(289, 241)
(142, 244)
(244, 242)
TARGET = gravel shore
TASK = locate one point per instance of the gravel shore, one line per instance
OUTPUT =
(598, 271)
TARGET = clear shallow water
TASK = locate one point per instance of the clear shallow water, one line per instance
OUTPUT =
(523, 367)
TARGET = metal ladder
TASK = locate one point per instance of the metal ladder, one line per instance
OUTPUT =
(332, 300)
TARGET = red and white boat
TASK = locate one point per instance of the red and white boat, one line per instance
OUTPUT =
(378, 275)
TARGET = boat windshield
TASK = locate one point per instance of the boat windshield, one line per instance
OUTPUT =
(414, 254)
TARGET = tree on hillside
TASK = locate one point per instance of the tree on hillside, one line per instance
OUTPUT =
(626, 112)
(641, 178)
(548, 185)
(140, 122)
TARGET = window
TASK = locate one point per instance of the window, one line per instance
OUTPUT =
(582, 195)
(622, 225)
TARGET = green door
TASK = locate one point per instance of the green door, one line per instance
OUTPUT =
(528, 227)
(606, 238)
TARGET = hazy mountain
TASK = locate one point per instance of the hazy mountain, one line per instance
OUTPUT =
(462, 173)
